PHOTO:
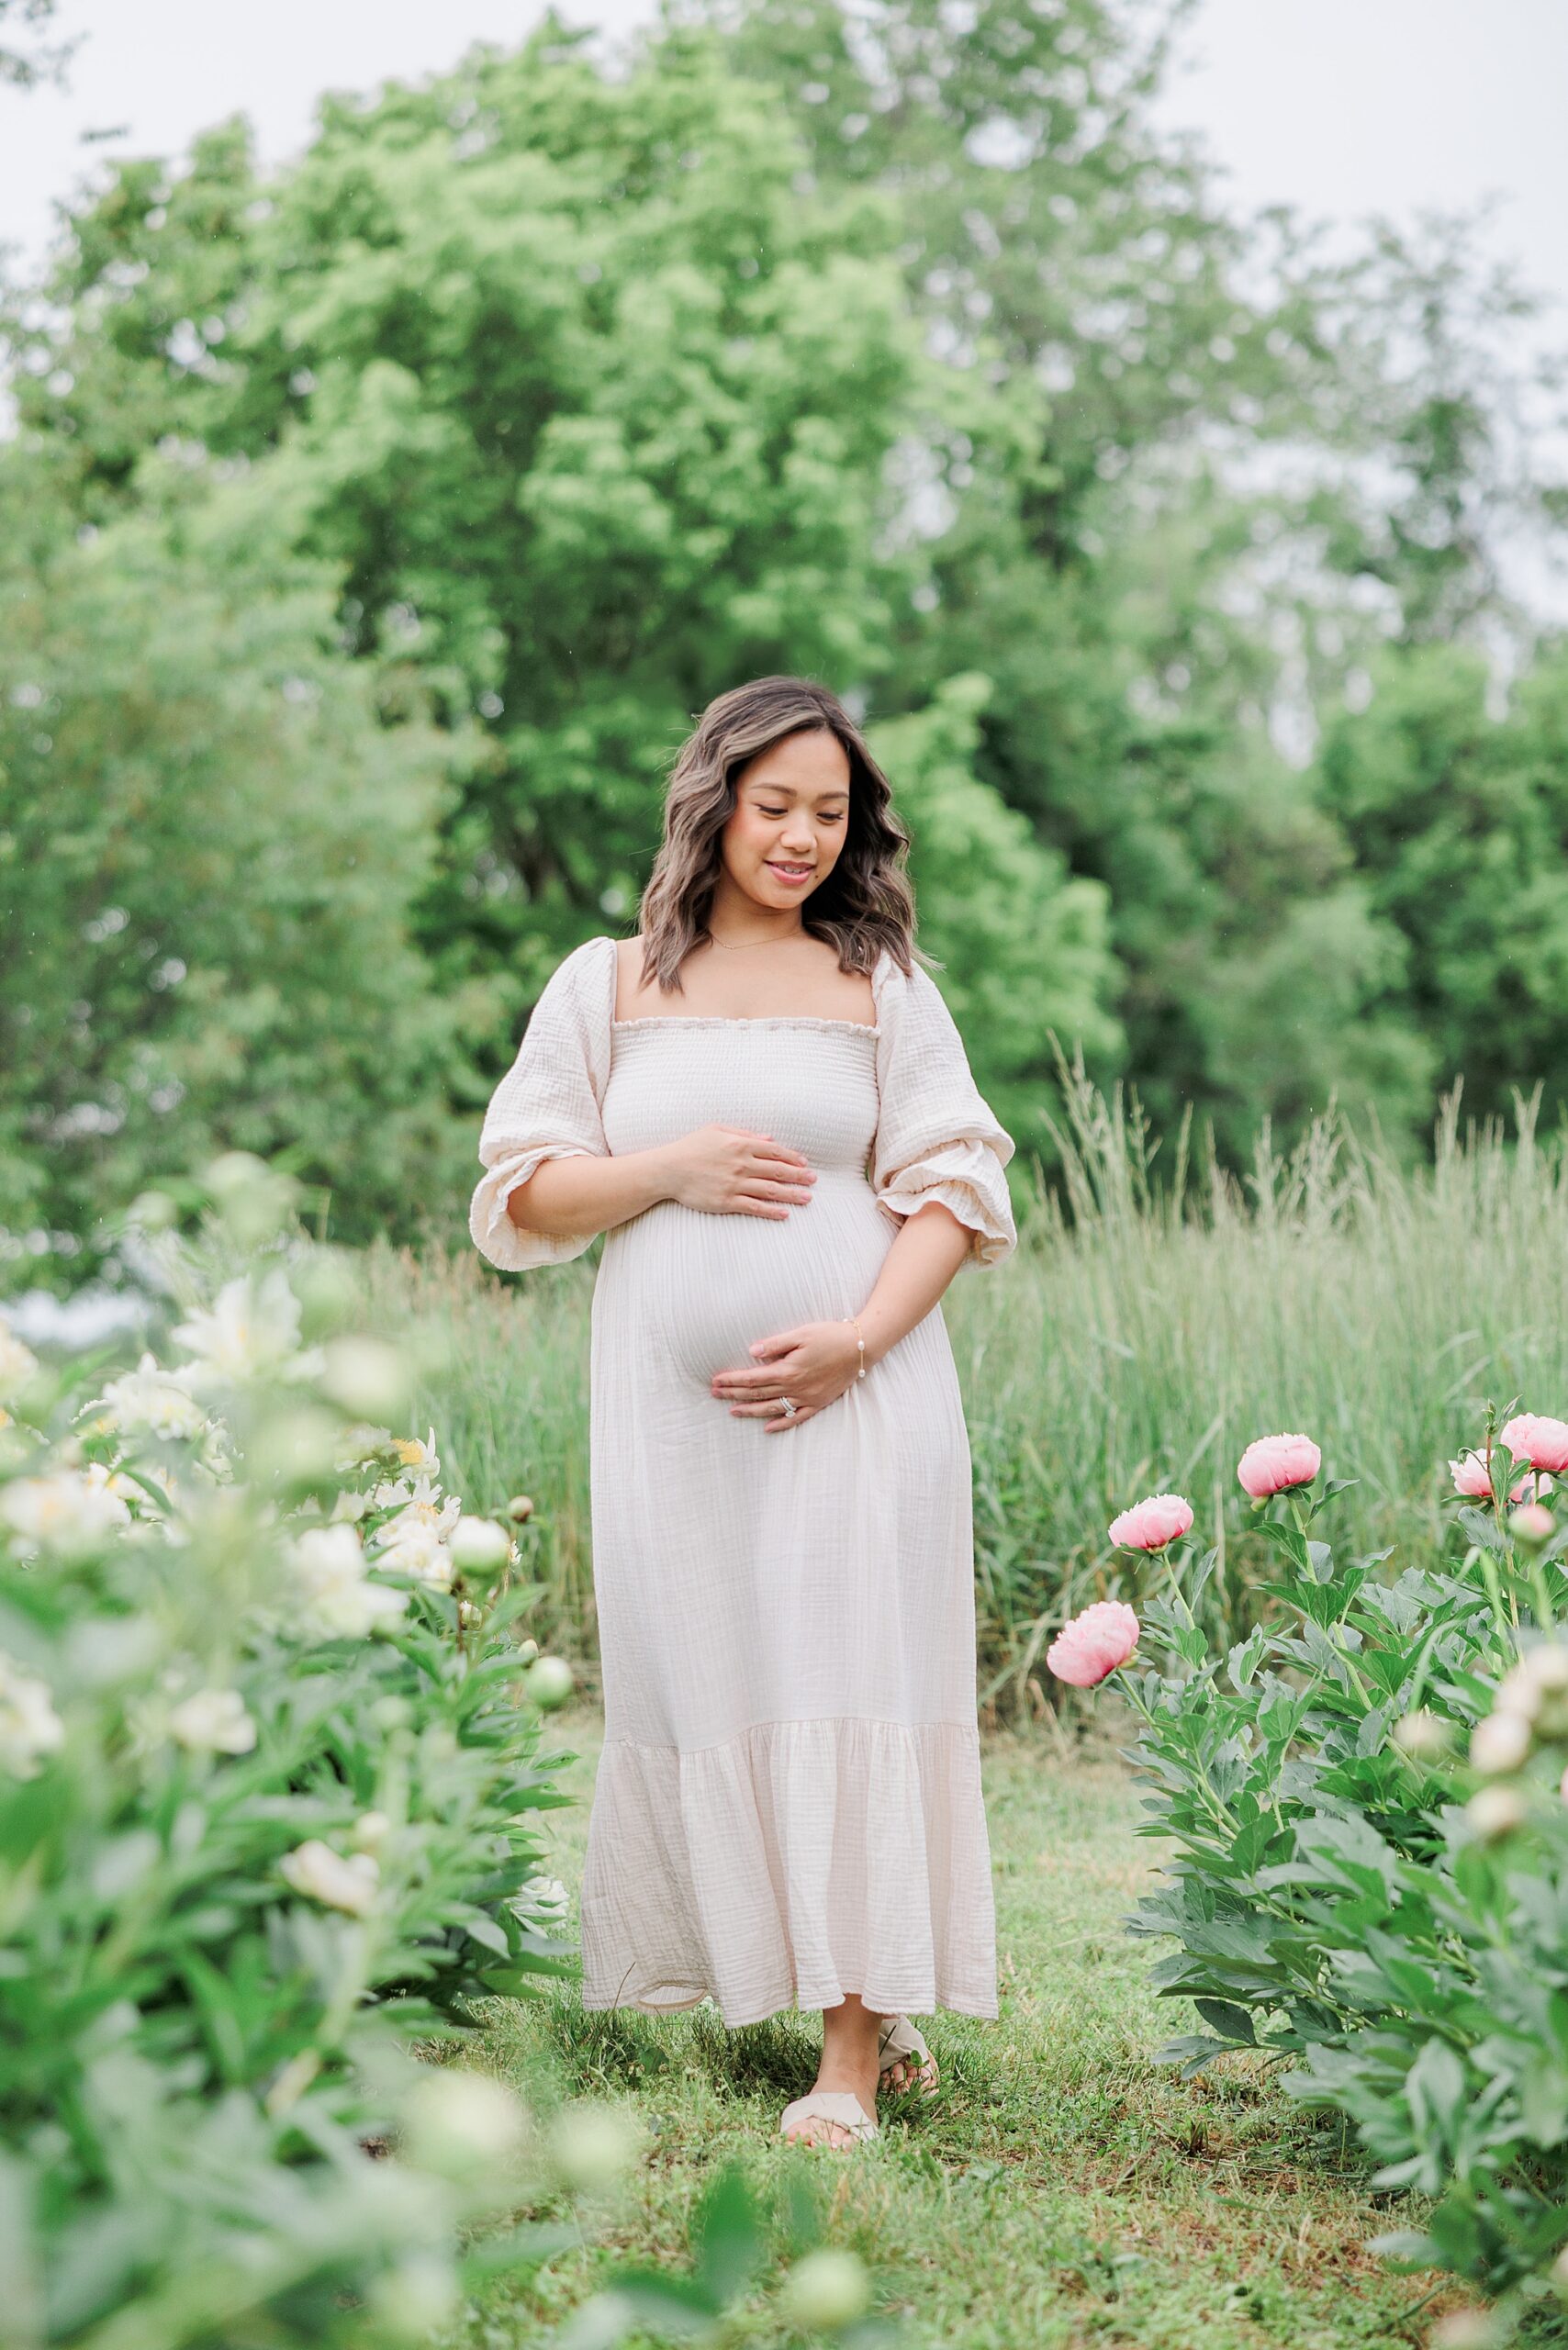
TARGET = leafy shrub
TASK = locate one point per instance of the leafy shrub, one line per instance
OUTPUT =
(271, 1783)
(1371, 1870)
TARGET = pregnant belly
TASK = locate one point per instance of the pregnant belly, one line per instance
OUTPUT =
(698, 1289)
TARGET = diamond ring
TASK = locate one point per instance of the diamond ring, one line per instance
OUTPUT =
(790, 1408)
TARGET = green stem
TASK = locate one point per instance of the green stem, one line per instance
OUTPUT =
(1360, 1686)
(1543, 1609)
(1223, 1815)
(1169, 1565)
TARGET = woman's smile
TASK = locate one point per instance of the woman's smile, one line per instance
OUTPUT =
(792, 874)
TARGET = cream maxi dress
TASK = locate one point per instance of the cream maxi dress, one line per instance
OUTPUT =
(788, 1807)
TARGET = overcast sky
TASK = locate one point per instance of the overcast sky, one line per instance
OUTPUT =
(1344, 106)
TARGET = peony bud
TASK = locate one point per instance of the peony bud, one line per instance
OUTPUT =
(464, 2125)
(593, 2145)
(1465, 2330)
(1496, 1811)
(417, 2299)
(214, 1721)
(323, 1876)
(519, 1509)
(550, 1681)
(825, 2291)
(1532, 1524)
(1421, 1735)
(479, 1547)
(367, 1377)
(1500, 1742)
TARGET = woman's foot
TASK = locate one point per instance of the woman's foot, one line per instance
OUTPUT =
(848, 2066)
(909, 2070)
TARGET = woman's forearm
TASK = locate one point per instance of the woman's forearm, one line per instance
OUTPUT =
(915, 1272)
(564, 1198)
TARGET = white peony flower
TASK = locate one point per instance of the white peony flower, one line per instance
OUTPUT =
(360, 1442)
(100, 1479)
(340, 1602)
(64, 1512)
(17, 1364)
(542, 1902)
(321, 1875)
(422, 1458)
(153, 1399)
(251, 1331)
(410, 1545)
(29, 1727)
(214, 1721)
(422, 1495)
(350, 1507)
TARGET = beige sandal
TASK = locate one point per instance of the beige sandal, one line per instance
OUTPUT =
(899, 2043)
(840, 2106)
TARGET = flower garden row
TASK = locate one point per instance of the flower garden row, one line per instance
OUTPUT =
(1368, 1803)
(271, 1784)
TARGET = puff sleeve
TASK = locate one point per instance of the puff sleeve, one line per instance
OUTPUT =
(937, 1138)
(547, 1105)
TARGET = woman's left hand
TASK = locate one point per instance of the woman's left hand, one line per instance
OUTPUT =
(811, 1364)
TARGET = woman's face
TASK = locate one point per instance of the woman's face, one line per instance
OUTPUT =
(790, 818)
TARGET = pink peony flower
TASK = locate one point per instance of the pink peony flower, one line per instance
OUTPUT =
(1093, 1644)
(1469, 1474)
(1150, 1525)
(1274, 1463)
(1543, 1443)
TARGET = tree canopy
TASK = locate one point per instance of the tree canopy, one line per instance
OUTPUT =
(381, 523)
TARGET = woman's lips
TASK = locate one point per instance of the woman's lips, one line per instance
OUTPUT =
(792, 876)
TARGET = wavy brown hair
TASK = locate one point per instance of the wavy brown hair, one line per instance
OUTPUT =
(865, 904)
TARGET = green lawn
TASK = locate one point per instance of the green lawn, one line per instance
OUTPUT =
(1062, 2191)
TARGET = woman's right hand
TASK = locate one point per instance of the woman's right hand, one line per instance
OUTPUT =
(728, 1170)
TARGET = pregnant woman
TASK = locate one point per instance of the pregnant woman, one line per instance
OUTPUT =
(763, 1102)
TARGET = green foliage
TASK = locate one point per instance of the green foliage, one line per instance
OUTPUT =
(587, 398)
(1458, 816)
(209, 842)
(1336, 1899)
(270, 1786)
(1022, 947)
(900, 347)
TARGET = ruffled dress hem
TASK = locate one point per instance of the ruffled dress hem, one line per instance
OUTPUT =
(788, 1867)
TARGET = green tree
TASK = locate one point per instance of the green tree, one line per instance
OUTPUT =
(1459, 819)
(1158, 602)
(210, 840)
(1020, 945)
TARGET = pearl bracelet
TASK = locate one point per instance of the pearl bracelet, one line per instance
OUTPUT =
(859, 1340)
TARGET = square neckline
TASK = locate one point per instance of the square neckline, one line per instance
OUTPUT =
(731, 1019)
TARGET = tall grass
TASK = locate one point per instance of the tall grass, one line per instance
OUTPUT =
(1151, 1324)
